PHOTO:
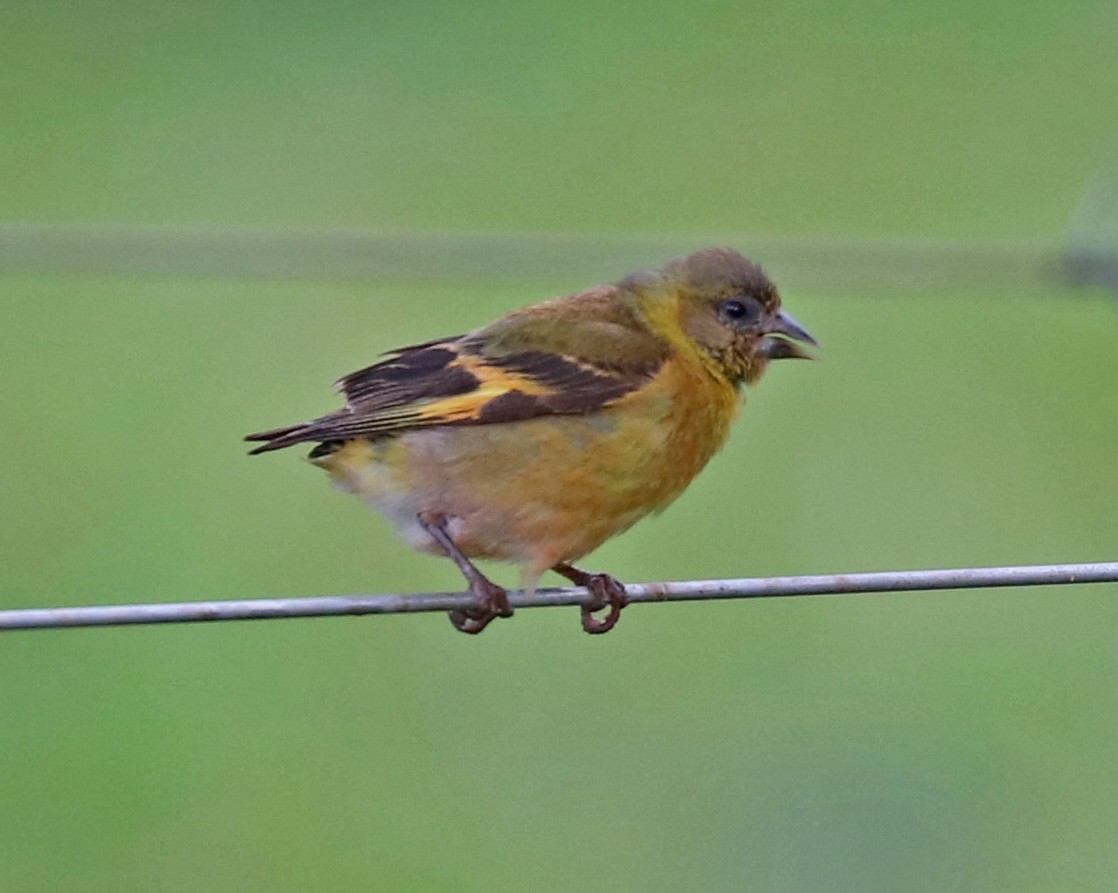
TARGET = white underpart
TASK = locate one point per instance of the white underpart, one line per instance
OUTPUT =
(379, 489)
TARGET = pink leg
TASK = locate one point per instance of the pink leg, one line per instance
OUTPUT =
(607, 592)
(492, 600)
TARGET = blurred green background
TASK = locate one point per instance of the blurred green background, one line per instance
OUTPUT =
(957, 741)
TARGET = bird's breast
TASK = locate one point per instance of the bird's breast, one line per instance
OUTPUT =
(547, 489)
(694, 411)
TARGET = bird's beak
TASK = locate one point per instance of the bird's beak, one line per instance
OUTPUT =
(781, 335)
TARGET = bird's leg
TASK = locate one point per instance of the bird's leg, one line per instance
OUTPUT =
(607, 592)
(492, 600)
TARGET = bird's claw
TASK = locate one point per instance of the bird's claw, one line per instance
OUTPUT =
(606, 592)
(492, 602)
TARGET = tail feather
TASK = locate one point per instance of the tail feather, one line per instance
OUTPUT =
(278, 438)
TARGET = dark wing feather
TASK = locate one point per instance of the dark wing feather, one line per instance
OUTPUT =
(408, 378)
(425, 372)
(502, 373)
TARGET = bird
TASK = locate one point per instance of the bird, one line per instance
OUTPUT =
(537, 437)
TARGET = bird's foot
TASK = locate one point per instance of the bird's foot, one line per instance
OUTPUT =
(492, 602)
(607, 592)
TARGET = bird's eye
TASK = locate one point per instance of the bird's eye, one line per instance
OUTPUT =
(738, 311)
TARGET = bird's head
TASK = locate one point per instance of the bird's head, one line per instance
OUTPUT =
(725, 305)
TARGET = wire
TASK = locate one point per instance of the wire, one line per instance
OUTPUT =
(694, 590)
(517, 258)
(1088, 255)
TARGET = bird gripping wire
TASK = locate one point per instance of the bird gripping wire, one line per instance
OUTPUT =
(693, 590)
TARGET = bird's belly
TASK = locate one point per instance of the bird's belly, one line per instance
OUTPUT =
(374, 472)
(536, 492)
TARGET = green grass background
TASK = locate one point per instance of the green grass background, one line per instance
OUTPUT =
(958, 741)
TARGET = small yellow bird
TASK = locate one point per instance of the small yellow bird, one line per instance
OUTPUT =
(536, 438)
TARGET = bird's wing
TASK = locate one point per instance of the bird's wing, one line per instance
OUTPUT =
(570, 356)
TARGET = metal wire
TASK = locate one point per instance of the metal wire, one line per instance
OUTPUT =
(694, 590)
(1088, 256)
(242, 253)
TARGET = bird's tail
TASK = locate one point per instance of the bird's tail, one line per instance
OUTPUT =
(278, 438)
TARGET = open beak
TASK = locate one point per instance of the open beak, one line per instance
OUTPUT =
(781, 337)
